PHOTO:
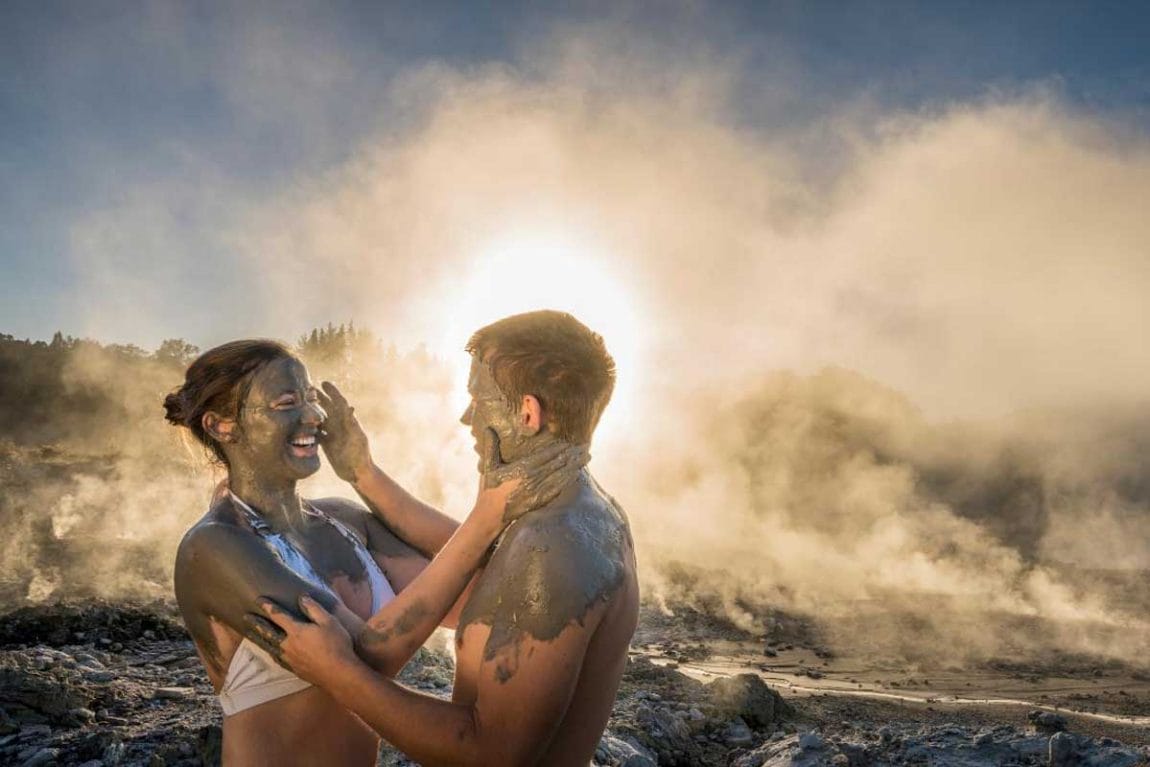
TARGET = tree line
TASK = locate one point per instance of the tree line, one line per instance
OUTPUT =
(108, 396)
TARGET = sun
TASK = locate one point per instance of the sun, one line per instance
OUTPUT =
(524, 271)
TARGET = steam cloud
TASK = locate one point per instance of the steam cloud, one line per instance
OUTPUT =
(980, 265)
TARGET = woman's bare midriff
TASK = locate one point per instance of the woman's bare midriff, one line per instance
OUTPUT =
(304, 728)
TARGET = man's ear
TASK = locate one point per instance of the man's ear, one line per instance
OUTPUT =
(530, 415)
(219, 428)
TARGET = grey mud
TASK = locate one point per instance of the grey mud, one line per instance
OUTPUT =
(551, 568)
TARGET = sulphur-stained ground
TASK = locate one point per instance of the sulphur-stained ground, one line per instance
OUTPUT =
(98, 683)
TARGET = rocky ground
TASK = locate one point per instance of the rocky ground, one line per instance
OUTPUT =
(96, 683)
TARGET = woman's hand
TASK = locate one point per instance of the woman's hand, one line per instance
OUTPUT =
(313, 651)
(510, 490)
(344, 440)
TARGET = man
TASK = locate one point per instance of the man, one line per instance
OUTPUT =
(543, 635)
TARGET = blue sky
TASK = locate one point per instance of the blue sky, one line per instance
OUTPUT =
(104, 102)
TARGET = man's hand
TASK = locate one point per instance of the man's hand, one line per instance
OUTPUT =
(344, 440)
(314, 651)
(513, 489)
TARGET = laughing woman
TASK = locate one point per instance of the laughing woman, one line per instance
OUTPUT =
(252, 405)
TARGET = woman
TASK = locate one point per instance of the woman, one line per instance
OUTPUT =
(252, 405)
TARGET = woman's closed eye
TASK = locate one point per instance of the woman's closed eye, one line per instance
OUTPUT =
(286, 402)
(292, 400)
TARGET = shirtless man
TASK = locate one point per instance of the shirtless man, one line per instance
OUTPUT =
(543, 636)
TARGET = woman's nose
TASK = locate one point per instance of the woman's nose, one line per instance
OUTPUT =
(313, 413)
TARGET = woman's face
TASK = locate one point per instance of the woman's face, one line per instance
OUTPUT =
(279, 423)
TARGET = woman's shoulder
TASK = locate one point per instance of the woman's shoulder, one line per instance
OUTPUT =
(222, 513)
(345, 510)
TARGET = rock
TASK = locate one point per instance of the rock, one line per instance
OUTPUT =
(1047, 721)
(748, 697)
(811, 741)
(111, 719)
(173, 693)
(738, 734)
(7, 726)
(777, 753)
(209, 744)
(618, 752)
(83, 714)
(114, 753)
(42, 757)
(98, 675)
(89, 661)
(1062, 750)
(665, 734)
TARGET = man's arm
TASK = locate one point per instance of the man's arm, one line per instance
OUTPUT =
(523, 692)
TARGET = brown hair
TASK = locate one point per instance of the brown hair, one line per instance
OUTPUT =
(555, 358)
(218, 381)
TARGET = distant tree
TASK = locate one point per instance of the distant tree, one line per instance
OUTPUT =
(176, 351)
(131, 351)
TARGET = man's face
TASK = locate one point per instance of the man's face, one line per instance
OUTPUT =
(490, 409)
(280, 420)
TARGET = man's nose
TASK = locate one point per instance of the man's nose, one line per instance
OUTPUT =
(465, 419)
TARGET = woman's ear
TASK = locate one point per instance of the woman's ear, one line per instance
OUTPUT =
(219, 428)
(530, 416)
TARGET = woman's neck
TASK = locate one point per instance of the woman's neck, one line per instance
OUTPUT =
(277, 502)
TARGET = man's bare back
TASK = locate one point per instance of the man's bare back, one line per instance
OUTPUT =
(564, 575)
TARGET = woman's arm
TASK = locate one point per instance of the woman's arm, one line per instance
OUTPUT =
(346, 446)
(392, 635)
(221, 570)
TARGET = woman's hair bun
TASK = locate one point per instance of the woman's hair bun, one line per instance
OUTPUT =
(175, 408)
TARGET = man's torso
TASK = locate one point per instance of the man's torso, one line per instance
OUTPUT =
(570, 566)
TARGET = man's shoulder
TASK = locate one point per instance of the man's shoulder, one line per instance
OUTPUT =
(580, 544)
(588, 519)
(552, 567)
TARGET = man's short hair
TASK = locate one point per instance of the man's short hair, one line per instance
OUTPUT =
(555, 358)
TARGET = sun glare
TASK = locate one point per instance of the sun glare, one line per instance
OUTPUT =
(527, 271)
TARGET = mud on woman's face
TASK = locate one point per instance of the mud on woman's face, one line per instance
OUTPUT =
(280, 421)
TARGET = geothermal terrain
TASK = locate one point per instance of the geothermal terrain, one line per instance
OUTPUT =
(828, 577)
(92, 679)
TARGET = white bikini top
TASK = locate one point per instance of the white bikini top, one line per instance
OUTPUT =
(253, 675)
